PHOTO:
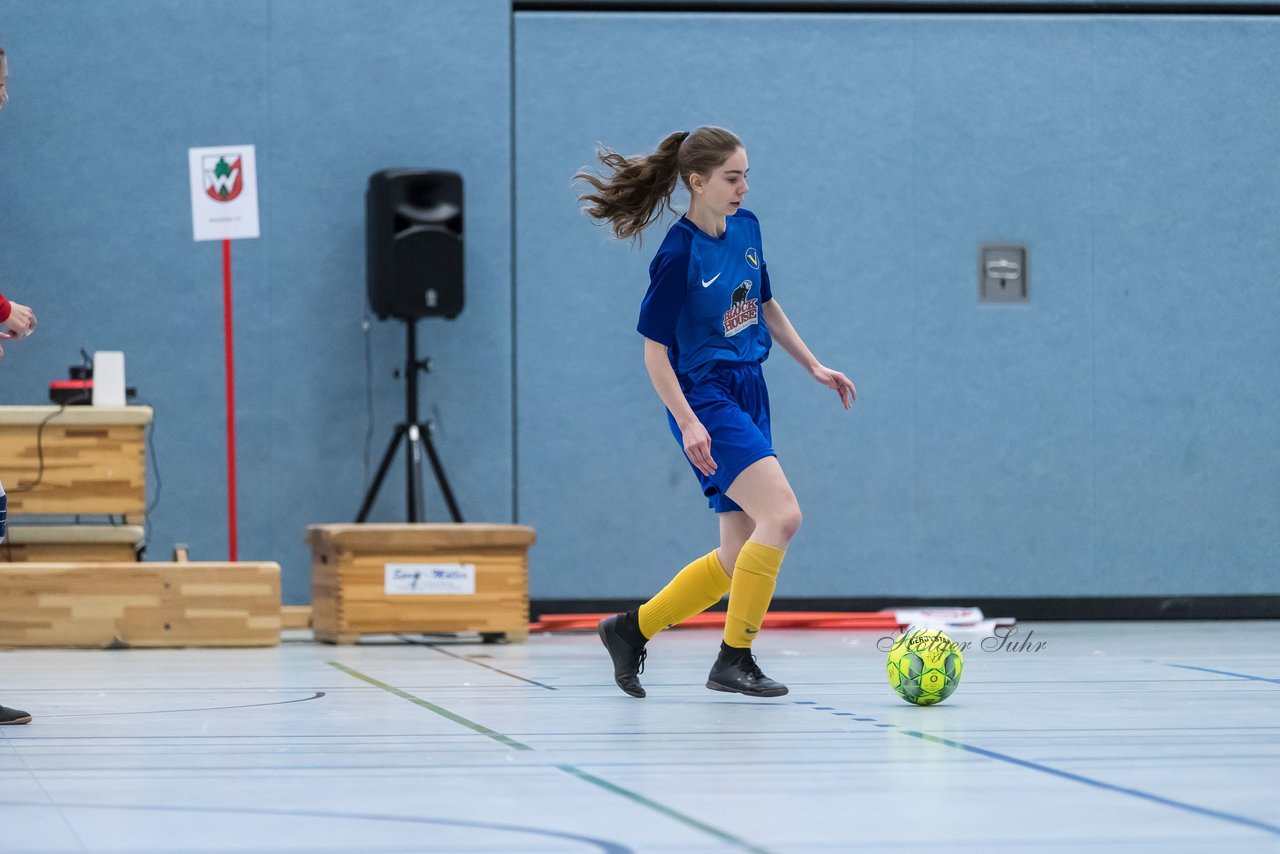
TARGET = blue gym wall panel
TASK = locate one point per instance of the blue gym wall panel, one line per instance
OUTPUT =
(95, 234)
(1114, 436)
(1187, 311)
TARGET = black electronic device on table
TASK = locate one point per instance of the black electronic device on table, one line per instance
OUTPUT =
(79, 388)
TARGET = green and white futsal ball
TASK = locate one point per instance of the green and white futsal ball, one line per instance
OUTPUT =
(924, 666)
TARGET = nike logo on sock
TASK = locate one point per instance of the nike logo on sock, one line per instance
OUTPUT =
(709, 282)
(752, 631)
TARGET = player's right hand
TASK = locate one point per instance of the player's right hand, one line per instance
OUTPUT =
(697, 447)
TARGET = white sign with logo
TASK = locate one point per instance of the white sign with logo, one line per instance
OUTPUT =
(432, 579)
(224, 192)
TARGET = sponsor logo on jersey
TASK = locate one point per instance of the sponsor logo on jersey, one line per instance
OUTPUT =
(706, 283)
(742, 312)
(753, 258)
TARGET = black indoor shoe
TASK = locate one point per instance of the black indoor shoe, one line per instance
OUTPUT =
(628, 660)
(13, 716)
(736, 671)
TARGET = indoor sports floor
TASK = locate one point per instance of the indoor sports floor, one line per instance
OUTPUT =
(1160, 737)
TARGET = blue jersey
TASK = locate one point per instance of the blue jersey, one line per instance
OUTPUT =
(706, 296)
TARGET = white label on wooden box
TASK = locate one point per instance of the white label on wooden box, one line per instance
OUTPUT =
(433, 579)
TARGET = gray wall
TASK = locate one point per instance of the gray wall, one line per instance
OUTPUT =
(1116, 436)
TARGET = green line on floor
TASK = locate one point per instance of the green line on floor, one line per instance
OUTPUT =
(439, 710)
(665, 810)
(634, 797)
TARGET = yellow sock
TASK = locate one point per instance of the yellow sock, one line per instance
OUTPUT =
(695, 588)
(755, 574)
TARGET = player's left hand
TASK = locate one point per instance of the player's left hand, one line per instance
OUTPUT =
(21, 321)
(837, 381)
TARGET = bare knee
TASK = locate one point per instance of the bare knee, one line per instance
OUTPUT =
(789, 521)
(779, 526)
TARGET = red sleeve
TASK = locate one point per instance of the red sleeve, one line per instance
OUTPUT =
(4, 309)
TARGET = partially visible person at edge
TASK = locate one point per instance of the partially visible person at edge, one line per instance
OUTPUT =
(708, 321)
(18, 321)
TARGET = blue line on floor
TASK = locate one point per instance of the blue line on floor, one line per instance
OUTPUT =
(1089, 781)
(605, 845)
(1227, 673)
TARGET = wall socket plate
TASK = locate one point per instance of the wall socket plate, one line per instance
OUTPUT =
(1002, 274)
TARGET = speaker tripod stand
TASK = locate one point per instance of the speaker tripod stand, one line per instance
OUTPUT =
(416, 434)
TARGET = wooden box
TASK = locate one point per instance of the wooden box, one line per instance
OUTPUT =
(419, 578)
(139, 604)
(93, 459)
(71, 543)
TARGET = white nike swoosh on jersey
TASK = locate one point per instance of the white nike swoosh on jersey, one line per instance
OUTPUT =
(711, 281)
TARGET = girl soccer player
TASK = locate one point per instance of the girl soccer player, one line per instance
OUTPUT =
(708, 321)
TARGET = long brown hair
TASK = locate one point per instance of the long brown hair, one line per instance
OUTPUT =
(636, 189)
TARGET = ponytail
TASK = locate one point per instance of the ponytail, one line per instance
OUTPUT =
(636, 189)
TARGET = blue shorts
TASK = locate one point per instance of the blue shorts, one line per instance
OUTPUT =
(733, 404)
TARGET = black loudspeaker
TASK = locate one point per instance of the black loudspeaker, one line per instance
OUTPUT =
(413, 243)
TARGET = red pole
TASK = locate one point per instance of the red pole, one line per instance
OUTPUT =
(232, 548)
